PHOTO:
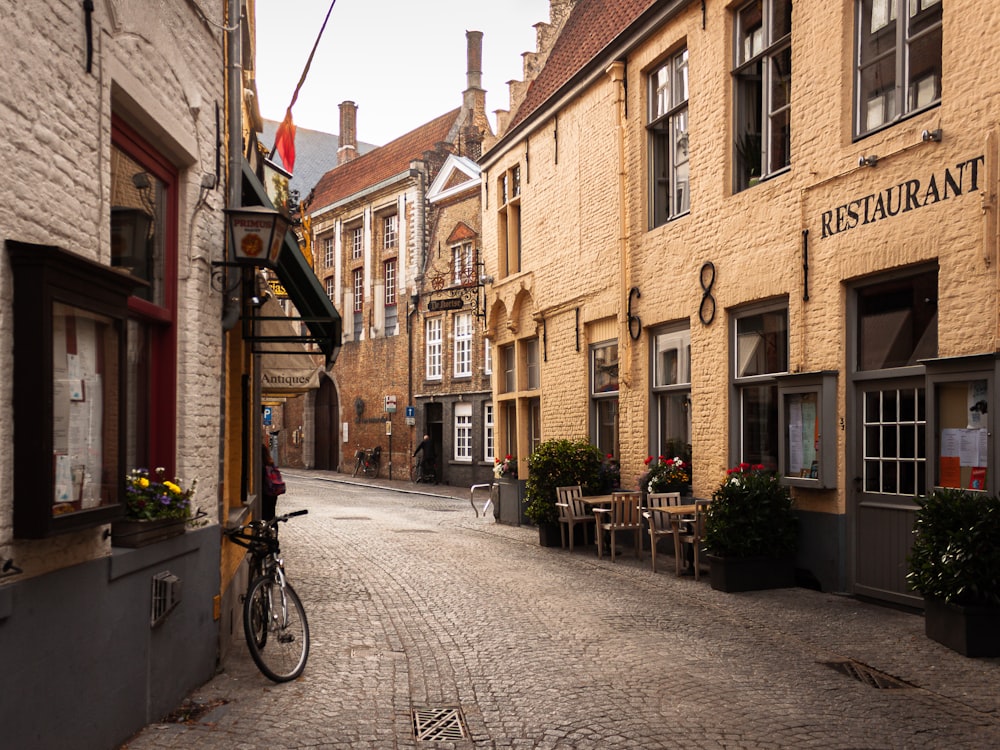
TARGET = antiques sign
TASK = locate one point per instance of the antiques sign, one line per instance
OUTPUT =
(906, 196)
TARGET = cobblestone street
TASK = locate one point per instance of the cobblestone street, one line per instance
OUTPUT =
(416, 604)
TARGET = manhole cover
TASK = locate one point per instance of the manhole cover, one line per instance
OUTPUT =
(868, 675)
(438, 724)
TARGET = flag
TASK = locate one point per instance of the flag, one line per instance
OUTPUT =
(284, 141)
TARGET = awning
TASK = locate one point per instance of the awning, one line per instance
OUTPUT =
(286, 367)
(304, 290)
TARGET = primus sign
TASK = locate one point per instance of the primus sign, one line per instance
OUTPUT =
(906, 196)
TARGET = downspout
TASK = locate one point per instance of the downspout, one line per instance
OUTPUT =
(617, 72)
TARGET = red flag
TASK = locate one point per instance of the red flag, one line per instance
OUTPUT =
(284, 142)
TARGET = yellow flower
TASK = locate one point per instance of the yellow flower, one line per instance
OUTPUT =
(172, 487)
(143, 482)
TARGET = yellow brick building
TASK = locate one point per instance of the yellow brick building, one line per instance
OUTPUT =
(752, 232)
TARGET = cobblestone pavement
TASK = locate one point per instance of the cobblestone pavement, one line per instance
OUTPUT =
(415, 604)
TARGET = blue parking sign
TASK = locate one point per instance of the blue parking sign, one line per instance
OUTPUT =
(267, 416)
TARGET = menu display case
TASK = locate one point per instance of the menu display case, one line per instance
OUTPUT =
(70, 318)
(807, 451)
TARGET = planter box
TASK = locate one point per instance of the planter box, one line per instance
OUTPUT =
(971, 631)
(549, 534)
(136, 533)
(510, 506)
(733, 574)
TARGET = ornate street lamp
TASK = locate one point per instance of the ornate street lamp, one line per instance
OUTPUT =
(256, 235)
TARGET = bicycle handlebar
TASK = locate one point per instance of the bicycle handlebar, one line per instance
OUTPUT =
(239, 536)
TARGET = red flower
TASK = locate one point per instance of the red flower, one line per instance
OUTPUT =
(648, 459)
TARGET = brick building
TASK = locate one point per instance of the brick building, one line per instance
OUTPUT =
(375, 239)
(747, 232)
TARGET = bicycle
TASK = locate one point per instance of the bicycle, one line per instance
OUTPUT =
(420, 473)
(368, 461)
(274, 621)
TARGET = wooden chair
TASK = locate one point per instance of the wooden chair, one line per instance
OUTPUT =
(572, 512)
(688, 530)
(623, 514)
(658, 523)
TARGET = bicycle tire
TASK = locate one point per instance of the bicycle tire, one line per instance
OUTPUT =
(372, 467)
(280, 653)
(357, 467)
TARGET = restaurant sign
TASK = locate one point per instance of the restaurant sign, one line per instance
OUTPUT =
(906, 196)
(449, 303)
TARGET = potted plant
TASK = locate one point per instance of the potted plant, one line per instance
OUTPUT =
(155, 509)
(751, 533)
(558, 463)
(666, 475)
(955, 564)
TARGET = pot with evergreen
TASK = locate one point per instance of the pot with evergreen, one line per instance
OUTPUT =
(559, 463)
(955, 564)
(751, 533)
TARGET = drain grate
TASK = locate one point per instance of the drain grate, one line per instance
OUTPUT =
(868, 675)
(438, 724)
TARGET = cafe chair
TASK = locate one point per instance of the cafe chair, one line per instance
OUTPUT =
(658, 523)
(688, 530)
(572, 513)
(623, 515)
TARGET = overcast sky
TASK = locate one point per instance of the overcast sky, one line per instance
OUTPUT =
(403, 62)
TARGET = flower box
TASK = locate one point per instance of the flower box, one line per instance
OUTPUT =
(129, 532)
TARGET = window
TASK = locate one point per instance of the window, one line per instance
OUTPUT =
(509, 375)
(391, 310)
(669, 191)
(762, 82)
(897, 322)
(144, 242)
(488, 433)
(463, 432)
(671, 394)
(358, 280)
(389, 233)
(509, 221)
(433, 348)
(463, 344)
(487, 358)
(760, 352)
(531, 374)
(328, 251)
(463, 265)
(604, 396)
(534, 423)
(898, 60)
(329, 287)
(356, 237)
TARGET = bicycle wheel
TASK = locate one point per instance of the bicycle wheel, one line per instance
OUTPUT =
(357, 467)
(281, 650)
(372, 467)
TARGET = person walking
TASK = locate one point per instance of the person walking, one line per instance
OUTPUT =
(426, 447)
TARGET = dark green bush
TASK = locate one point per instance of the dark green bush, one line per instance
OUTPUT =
(956, 548)
(751, 516)
(559, 463)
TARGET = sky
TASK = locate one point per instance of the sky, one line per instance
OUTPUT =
(403, 62)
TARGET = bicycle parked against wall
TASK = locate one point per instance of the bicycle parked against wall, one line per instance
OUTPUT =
(424, 472)
(274, 621)
(368, 462)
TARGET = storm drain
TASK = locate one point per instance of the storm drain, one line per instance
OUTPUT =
(438, 724)
(868, 675)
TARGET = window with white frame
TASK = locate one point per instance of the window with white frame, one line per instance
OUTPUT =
(389, 232)
(762, 82)
(330, 287)
(760, 352)
(669, 189)
(358, 277)
(671, 379)
(487, 357)
(463, 431)
(898, 64)
(391, 311)
(356, 237)
(489, 451)
(509, 220)
(432, 344)
(463, 265)
(463, 344)
(328, 252)
(604, 396)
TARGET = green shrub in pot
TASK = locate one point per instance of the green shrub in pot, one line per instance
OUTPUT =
(559, 463)
(751, 516)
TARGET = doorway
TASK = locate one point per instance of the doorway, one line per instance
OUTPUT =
(327, 426)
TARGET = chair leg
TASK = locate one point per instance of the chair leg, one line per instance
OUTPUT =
(652, 550)
(562, 534)
(678, 553)
(637, 534)
(569, 530)
(612, 546)
(600, 544)
(697, 563)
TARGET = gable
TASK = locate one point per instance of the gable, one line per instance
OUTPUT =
(461, 233)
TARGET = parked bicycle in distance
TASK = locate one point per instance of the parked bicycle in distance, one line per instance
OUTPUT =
(423, 474)
(368, 462)
(274, 621)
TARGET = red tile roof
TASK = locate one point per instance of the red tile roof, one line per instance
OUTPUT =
(592, 25)
(381, 163)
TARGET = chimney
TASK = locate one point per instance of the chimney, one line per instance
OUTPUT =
(348, 132)
(474, 59)
(475, 122)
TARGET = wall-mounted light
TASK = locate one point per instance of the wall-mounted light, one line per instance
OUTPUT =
(868, 161)
(256, 235)
(931, 136)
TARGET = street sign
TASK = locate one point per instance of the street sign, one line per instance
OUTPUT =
(267, 416)
(449, 303)
(411, 412)
(390, 404)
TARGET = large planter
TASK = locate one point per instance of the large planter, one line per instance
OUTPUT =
(510, 502)
(971, 631)
(129, 532)
(733, 574)
(549, 534)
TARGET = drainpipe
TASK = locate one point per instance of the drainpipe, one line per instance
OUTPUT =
(617, 73)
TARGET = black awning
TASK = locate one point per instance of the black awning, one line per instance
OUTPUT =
(304, 290)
